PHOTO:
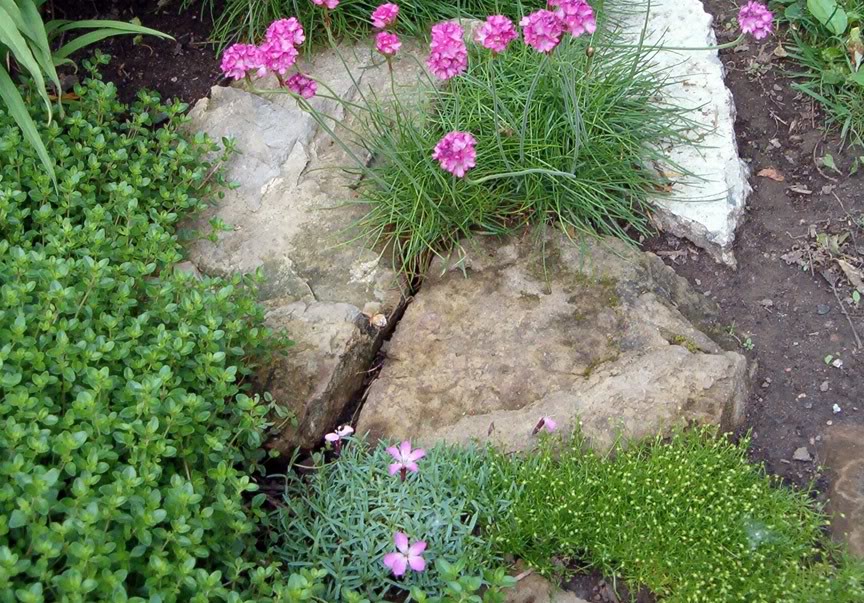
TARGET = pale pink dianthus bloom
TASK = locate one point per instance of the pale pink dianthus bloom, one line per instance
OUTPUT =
(496, 33)
(456, 153)
(385, 15)
(240, 59)
(278, 55)
(387, 43)
(406, 555)
(406, 459)
(755, 19)
(547, 424)
(306, 87)
(331, 4)
(542, 30)
(289, 30)
(577, 15)
(343, 431)
(448, 55)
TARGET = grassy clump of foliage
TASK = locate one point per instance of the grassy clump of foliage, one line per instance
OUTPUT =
(571, 138)
(127, 421)
(247, 20)
(828, 43)
(691, 519)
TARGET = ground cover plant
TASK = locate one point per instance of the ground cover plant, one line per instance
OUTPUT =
(127, 422)
(827, 42)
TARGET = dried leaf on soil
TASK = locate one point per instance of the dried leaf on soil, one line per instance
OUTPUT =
(772, 173)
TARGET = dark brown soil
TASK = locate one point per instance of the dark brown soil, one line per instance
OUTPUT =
(790, 314)
(183, 68)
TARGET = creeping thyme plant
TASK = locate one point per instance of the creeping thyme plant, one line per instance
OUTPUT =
(126, 425)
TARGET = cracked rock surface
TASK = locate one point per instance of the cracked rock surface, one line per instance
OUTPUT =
(294, 221)
(591, 332)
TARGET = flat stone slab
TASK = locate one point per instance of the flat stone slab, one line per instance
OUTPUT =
(292, 216)
(705, 209)
(844, 457)
(597, 333)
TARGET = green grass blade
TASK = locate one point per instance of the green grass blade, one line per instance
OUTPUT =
(83, 41)
(18, 110)
(108, 24)
(12, 39)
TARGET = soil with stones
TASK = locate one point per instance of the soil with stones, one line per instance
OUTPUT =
(780, 304)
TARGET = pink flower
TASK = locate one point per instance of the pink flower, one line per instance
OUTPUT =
(306, 87)
(542, 30)
(755, 19)
(343, 431)
(406, 555)
(547, 424)
(331, 4)
(448, 56)
(387, 43)
(289, 30)
(385, 15)
(456, 153)
(279, 55)
(577, 15)
(406, 459)
(496, 33)
(239, 59)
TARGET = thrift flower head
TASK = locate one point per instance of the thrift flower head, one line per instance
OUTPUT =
(542, 30)
(387, 43)
(331, 4)
(288, 30)
(755, 19)
(385, 15)
(547, 424)
(496, 33)
(577, 15)
(456, 153)
(306, 87)
(406, 459)
(406, 555)
(278, 55)
(239, 59)
(448, 55)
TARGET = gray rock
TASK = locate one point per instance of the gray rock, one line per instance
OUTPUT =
(844, 459)
(596, 333)
(534, 588)
(802, 454)
(293, 218)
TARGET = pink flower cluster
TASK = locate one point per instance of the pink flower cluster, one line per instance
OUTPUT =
(385, 15)
(496, 33)
(448, 56)
(755, 19)
(240, 59)
(542, 30)
(578, 16)
(330, 4)
(387, 43)
(302, 86)
(456, 153)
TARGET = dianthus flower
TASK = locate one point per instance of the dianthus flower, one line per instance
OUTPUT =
(542, 30)
(331, 4)
(387, 43)
(306, 87)
(755, 19)
(385, 15)
(289, 30)
(448, 56)
(577, 15)
(240, 59)
(456, 153)
(496, 33)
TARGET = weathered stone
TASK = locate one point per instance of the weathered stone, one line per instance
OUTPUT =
(596, 332)
(705, 208)
(844, 458)
(292, 216)
(537, 589)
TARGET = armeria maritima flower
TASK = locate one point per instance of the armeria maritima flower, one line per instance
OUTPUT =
(496, 33)
(278, 55)
(331, 4)
(577, 15)
(448, 56)
(385, 15)
(456, 153)
(406, 556)
(289, 30)
(240, 59)
(755, 19)
(306, 87)
(387, 43)
(542, 30)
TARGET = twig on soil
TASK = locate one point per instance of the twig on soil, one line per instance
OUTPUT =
(816, 165)
(843, 309)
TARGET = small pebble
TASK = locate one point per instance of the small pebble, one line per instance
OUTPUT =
(823, 309)
(837, 409)
(823, 387)
(829, 423)
(837, 363)
(802, 454)
(808, 406)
